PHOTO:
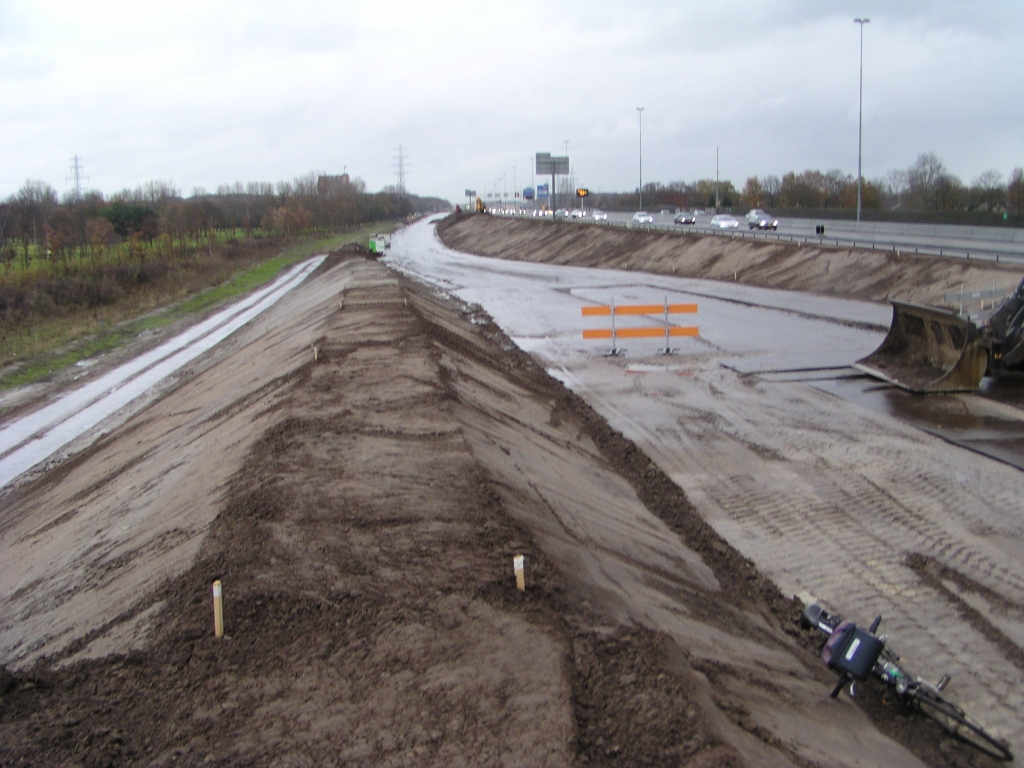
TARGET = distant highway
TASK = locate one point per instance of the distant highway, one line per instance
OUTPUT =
(987, 243)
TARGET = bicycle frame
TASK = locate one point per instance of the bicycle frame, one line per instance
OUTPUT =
(925, 696)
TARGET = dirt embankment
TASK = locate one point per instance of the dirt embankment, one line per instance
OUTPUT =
(366, 558)
(382, 459)
(850, 273)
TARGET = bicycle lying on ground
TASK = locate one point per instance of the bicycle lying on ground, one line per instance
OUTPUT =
(856, 654)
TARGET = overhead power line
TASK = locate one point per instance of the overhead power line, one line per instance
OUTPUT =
(401, 162)
(76, 175)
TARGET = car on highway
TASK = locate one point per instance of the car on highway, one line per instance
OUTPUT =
(642, 217)
(600, 216)
(562, 213)
(758, 219)
(686, 217)
(725, 221)
(578, 213)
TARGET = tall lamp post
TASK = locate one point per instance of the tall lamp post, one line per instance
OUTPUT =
(860, 115)
(640, 111)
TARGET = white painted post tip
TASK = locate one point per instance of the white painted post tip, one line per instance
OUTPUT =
(218, 611)
(518, 565)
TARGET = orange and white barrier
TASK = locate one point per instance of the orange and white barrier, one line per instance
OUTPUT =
(614, 333)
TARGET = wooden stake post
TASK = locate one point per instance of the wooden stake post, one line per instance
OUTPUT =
(518, 565)
(218, 611)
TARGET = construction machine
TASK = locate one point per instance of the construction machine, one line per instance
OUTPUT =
(936, 350)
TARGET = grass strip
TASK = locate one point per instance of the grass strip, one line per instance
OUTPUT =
(240, 284)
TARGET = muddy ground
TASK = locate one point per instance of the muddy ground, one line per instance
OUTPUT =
(359, 468)
(851, 273)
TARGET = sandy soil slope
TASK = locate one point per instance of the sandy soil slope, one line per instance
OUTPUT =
(855, 274)
(832, 501)
(359, 468)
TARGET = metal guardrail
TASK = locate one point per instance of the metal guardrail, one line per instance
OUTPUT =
(984, 295)
(980, 253)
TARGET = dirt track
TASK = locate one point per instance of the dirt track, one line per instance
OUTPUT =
(832, 501)
(362, 507)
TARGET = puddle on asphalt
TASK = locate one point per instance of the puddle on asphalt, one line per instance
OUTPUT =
(990, 422)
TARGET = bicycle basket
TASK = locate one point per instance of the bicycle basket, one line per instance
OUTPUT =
(852, 651)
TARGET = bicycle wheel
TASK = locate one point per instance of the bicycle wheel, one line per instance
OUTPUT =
(956, 722)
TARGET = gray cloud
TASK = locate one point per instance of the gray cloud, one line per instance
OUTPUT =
(209, 93)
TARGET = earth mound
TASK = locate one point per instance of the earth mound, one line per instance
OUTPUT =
(386, 454)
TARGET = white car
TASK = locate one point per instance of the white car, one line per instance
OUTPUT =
(725, 221)
(600, 216)
(642, 217)
(578, 213)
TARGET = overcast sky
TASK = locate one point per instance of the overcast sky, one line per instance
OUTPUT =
(202, 92)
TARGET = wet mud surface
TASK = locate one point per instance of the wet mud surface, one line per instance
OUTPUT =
(990, 422)
(837, 500)
(387, 454)
(851, 274)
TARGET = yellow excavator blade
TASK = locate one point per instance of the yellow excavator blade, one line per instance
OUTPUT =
(928, 350)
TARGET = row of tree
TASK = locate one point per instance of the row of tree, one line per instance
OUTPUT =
(34, 221)
(927, 185)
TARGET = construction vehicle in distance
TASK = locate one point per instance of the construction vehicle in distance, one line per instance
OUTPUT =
(480, 207)
(379, 243)
(936, 350)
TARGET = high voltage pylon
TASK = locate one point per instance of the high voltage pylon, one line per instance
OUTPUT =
(400, 163)
(76, 175)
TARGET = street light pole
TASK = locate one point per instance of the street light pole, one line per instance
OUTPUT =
(860, 115)
(640, 112)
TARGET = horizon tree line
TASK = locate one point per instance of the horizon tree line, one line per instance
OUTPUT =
(36, 222)
(926, 185)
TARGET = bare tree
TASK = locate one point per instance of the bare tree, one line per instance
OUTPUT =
(925, 179)
(34, 202)
(752, 195)
(1015, 190)
(99, 233)
(988, 192)
(895, 186)
(58, 233)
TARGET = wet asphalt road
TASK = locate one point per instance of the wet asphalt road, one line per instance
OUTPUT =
(988, 243)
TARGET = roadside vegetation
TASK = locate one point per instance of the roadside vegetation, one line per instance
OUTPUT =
(83, 274)
(925, 190)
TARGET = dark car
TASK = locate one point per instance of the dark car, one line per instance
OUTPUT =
(686, 217)
(758, 219)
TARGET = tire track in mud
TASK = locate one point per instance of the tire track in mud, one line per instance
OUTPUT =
(838, 518)
(854, 494)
